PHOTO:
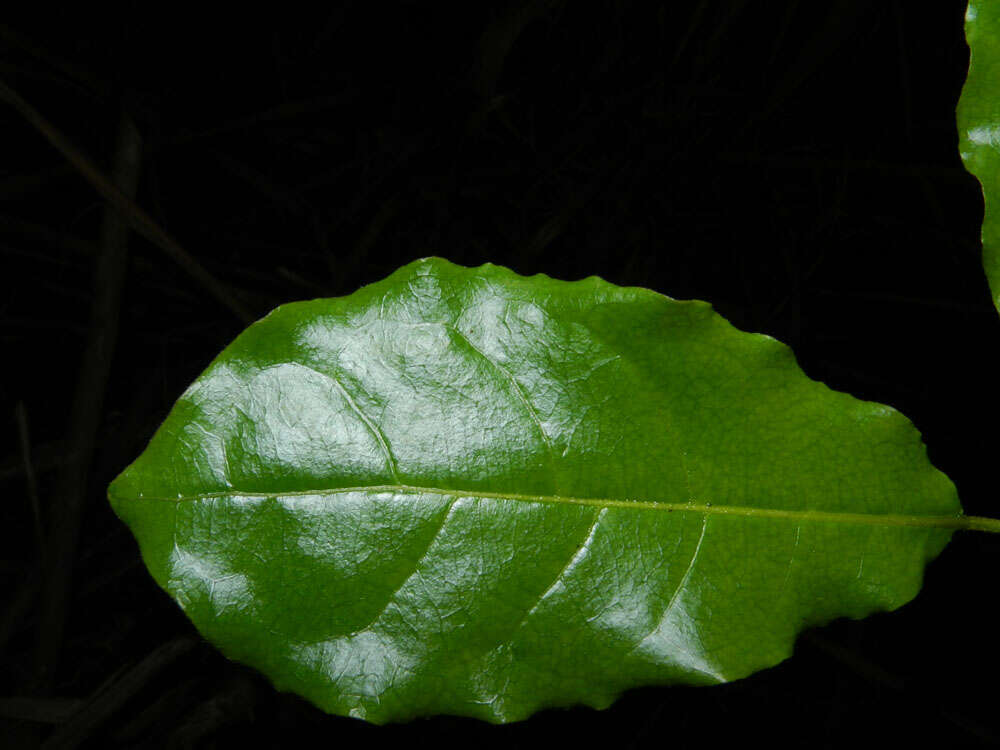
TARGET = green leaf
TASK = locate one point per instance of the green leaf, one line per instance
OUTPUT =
(979, 124)
(469, 492)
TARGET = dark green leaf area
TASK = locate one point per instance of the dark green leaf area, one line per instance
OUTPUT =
(464, 491)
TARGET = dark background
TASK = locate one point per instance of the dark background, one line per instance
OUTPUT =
(794, 163)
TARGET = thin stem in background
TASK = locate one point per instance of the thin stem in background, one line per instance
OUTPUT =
(24, 437)
(69, 496)
(125, 205)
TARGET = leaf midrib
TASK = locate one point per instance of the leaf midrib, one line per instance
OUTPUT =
(957, 521)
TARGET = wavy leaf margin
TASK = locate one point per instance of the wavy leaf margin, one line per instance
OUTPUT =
(978, 120)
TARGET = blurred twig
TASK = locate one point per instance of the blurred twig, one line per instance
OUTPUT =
(125, 205)
(164, 711)
(40, 710)
(233, 702)
(24, 438)
(496, 42)
(73, 71)
(49, 237)
(877, 675)
(17, 607)
(111, 696)
(70, 489)
(842, 21)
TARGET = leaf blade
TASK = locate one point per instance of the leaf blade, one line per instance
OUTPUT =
(616, 476)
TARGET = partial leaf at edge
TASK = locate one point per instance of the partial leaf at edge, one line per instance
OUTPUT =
(978, 118)
(463, 491)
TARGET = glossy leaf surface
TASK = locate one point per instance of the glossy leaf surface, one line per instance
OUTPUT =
(979, 124)
(469, 492)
